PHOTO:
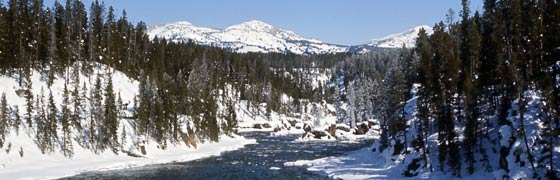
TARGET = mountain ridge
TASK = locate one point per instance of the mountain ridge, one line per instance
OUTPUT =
(408, 38)
(259, 36)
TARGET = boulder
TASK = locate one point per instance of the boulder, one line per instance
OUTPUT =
(132, 154)
(361, 129)
(22, 93)
(143, 150)
(343, 128)
(266, 125)
(306, 128)
(292, 122)
(319, 134)
(371, 124)
(257, 126)
(332, 130)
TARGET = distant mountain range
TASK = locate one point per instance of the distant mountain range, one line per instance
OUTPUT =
(257, 36)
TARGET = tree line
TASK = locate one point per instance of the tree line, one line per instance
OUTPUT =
(177, 79)
(474, 73)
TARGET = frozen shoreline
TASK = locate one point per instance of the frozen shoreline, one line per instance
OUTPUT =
(57, 166)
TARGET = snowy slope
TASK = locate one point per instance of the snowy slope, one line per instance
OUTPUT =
(374, 163)
(407, 38)
(22, 159)
(251, 36)
(257, 36)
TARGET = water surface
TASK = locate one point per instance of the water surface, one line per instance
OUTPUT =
(264, 160)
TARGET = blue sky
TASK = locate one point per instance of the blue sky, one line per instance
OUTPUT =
(346, 22)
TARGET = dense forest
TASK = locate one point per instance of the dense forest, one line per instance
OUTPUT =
(477, 80)
(176, 78)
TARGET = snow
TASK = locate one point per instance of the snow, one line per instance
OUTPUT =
(505, 131)
(258, 36)
(533, 121)
(247, 118)
(408, 38)
(365, 164)
(288, 132)
(23, 160)
(125, 87)
(360, 164)
(36, 166)
(251, 36)
(371, 163)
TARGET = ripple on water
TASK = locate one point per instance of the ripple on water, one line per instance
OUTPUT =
(264, 160)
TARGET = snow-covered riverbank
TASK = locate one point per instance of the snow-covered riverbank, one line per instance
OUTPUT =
(57, 166)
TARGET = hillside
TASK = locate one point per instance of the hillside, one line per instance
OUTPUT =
(258, 36)
(251, 36)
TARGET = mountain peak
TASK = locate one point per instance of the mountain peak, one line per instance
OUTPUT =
(408, 38)
(252, 25)
(250, 36)
(183, 23)
(258, 36)
(416, 29)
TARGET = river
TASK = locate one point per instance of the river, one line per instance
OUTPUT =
(264, 160)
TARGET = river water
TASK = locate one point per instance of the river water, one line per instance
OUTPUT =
(264, 160)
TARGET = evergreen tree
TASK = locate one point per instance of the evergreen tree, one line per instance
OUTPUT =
(61, 40)
(123, 139)
(144, 106)
(77, 101)
(29, 108)
(41, 121)
(470, 53)
(96, 100)
(51, 134)
(66, 124)
(4, 30)
(110, 121)
(17, 121)
(5, 119)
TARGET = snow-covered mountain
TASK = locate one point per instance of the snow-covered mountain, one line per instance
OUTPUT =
(251, 36)
(257, 36)
(408, 38)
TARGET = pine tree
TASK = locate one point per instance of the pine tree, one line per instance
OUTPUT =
(123, 138)
(41, 121)
(51, 134)
(470, 53)
(424, 50)
(29, 108)
(110, 123)
(17, 120)
(96, 100)
(66, 124)
(61, 43)
(550, 17)
(4, 27)
(5, 119)
(144, 106)
(77, 101)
